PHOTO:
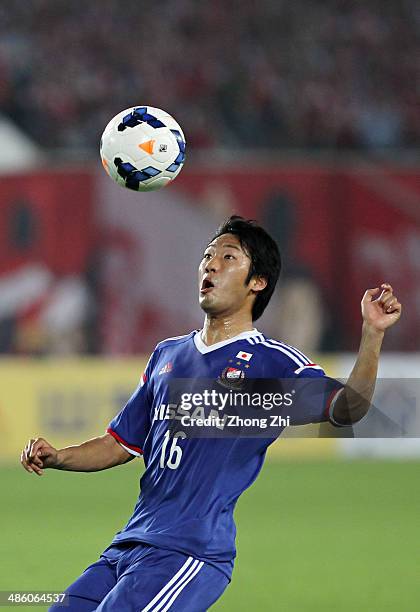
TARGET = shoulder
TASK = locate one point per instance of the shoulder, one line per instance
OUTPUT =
(174, 341)
(290, 358)
(163, 350)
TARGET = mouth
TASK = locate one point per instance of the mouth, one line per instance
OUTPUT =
(206, 286)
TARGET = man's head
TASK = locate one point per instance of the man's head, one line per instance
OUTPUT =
(239, 269)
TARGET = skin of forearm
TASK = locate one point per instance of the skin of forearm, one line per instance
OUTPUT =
(354, 401)
(92, 456)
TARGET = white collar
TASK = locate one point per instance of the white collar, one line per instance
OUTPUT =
(203, 348)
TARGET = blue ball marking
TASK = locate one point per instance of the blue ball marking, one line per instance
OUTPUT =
(181, 155)
(136, 117)
(151, 171)
(131, 175)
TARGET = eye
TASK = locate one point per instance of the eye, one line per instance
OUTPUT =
(229, 256)
(206, 256)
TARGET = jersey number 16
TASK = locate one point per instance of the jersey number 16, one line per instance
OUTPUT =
(173, 459)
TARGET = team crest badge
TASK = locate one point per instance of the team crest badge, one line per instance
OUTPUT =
(232, 377)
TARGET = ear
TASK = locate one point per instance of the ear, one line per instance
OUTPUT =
(258, 283)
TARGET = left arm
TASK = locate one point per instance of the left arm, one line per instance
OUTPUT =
(353, 402)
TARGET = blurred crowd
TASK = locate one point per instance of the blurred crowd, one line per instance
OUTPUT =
(260, 74)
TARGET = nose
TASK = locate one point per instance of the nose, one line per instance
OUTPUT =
(211, 265)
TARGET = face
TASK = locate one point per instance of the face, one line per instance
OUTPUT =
(222, 275)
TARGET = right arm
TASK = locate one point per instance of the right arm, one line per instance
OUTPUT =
(131, 426)
(97, 454)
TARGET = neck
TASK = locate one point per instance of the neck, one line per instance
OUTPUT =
(217, 329)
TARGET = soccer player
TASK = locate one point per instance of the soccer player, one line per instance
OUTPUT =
(177, 550)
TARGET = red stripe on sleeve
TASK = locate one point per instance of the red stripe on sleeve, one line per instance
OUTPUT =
(119, 439)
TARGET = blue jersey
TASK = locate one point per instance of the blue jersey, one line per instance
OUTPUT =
(190, 486)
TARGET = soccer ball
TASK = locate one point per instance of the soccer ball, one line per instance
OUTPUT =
(143, 148)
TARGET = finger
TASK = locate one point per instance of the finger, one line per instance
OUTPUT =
(389, 302)
(37, 460)
(38, 454)
(36, 465)
(37, 470)
(37, 444)
(31, 446)
(24, 462)
(385, 295)
(29, 465)
(28, 449)
(32, 453)
(386, 286)
(32, 461)
(395, 308)
(369, 294)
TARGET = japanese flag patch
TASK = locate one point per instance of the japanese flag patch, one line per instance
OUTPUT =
(243, 355)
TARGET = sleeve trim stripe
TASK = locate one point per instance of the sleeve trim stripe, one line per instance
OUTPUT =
(130, 450)
(330, 408)
(293, 349)
(313, 366)
(134, 450)
(284, 351)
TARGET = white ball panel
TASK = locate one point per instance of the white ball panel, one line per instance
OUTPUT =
(160, 150)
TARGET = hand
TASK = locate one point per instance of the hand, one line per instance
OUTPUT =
(382, 312)
(37, 455)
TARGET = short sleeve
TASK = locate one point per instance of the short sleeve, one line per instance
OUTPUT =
(314, 395)
(131, 425)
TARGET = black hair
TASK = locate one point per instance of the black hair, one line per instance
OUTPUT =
(263, 252)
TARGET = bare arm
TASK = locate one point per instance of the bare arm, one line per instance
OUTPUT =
(97, 454)
(378, 314)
